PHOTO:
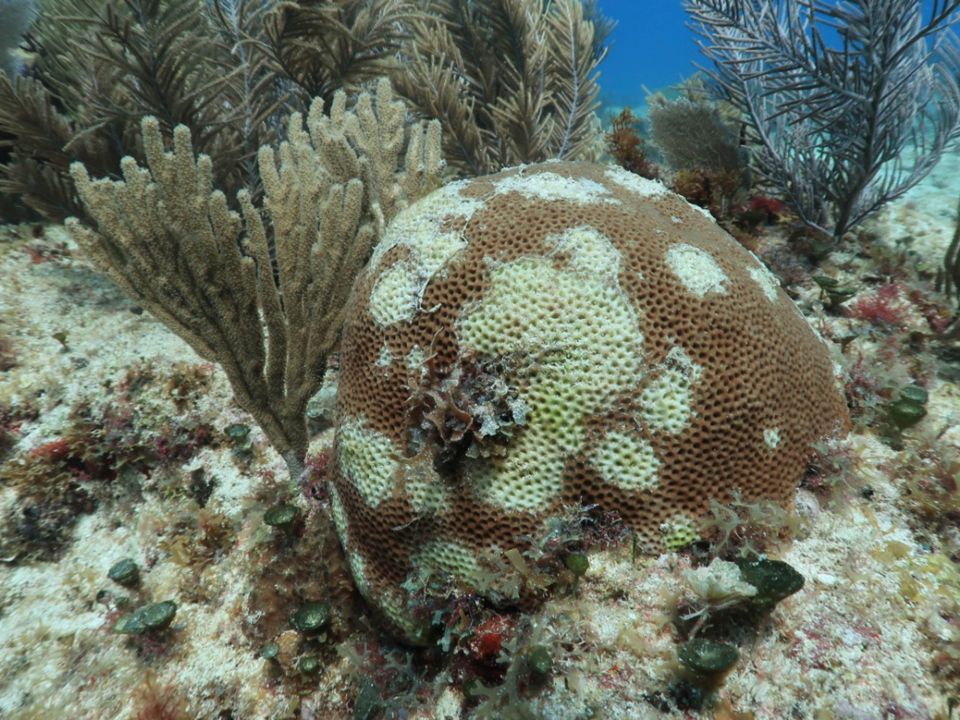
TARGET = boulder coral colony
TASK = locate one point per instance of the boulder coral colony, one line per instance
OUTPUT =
(557, 335)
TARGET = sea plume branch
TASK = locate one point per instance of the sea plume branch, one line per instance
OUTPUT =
(833, 118)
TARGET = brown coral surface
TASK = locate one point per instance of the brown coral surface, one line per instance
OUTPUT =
(559, 335)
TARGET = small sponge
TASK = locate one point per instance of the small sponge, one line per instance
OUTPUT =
(561, 335)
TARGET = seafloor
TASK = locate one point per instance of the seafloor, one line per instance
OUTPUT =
(119, 441)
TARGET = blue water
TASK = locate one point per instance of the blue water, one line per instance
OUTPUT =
(651, 47)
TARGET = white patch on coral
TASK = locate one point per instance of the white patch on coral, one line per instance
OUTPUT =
(667, 402)
(419, 223)
(396, 607)
(390, 602)
(636, 183)
(591, 252)
(435, 251)
(584, 340)
(385, 358)
(365, 457)
(771, 436)
(626, 461)
(427, 498)
(767, 281)
(450, 558)
(696, 269)
(679, 531)
(551, 186)
(358, 568)
(339, 515)
(424, 489)
(675, 220)
(396, 295)
(399, 289)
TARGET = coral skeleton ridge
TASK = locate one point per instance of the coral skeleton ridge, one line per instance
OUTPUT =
(560, 335)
